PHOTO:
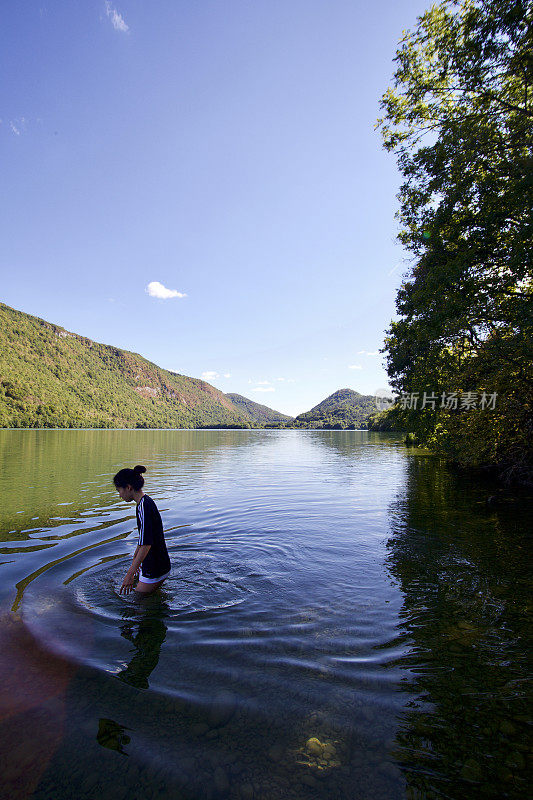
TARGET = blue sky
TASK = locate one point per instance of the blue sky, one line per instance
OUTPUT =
(223, 149)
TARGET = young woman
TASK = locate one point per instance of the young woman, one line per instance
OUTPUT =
(151, 556)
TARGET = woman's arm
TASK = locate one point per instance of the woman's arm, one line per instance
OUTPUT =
(140, 554)
(135, 553)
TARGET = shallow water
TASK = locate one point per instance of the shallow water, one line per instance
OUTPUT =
(344, 618)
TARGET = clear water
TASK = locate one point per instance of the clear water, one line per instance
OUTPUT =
(345, 618)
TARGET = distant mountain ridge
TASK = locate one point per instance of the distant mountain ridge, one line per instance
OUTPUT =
(50, 377)
(259, 413)
(345, 408)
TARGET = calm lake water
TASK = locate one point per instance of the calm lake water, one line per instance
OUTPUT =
(345, 618)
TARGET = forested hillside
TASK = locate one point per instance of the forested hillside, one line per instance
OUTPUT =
(344, 408)
(50, 377)
(260, 414)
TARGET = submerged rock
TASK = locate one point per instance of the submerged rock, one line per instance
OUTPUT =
(314, 747)
(221, 780)
(222, 708)
(275, 752)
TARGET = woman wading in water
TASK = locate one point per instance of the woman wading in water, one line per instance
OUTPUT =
(151, 558)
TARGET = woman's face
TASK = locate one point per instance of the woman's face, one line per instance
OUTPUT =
(126, 492)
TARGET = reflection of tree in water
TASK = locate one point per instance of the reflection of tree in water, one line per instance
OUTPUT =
(462, 568)
(147, 636)
(112, 735)
(350, 444)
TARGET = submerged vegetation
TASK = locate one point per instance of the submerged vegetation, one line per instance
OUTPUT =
(459, 118)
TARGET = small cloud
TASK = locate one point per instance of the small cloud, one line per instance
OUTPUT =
(156, 289)
(117, 20)
(280, 379)
(355, 366)
(361, 352)
(375, 353)
(291, 380)
(210, 375)
(227, 374)
(262, 383)
(14, 128)
(263, 389)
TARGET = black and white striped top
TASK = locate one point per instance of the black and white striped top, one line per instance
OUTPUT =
(150, 526)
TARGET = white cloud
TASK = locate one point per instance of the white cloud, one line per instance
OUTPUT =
(375, 353)
(263, 389)
(156, 289)
(209, 375)
(280, 379)
(262, 383)
(117, 20)
(18, 126)
(355, 366)
(368, 353)
(227, 374)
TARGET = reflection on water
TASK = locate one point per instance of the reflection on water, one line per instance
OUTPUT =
(111, 734)
(465, 572)
(146, 636)
(343, 619)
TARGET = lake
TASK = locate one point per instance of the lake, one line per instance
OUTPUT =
(345, 618)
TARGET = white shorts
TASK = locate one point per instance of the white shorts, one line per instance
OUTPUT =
(151, 580)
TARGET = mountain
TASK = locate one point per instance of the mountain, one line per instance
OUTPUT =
(258, 413)
(50, 377)
(344, 408)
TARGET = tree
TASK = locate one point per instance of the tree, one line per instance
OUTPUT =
(460, 120)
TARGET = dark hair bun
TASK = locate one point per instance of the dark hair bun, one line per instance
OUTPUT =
(139, 468)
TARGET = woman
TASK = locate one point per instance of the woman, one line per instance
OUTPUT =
(151, 558)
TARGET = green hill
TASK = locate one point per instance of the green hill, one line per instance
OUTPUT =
(344, 408)
(50, 377)
(263, 415)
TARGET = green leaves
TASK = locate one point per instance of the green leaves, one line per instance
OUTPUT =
(459, 118)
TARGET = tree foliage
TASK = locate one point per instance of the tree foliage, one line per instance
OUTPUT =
(459, 119)
(52, 378)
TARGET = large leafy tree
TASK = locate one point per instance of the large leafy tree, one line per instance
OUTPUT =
(460, 119)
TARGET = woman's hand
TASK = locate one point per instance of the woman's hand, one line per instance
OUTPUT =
(127, 583)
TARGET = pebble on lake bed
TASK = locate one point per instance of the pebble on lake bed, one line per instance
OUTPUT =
(314, 746)
(319, 755)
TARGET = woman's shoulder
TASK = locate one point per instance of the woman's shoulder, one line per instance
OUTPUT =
(147, 500)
